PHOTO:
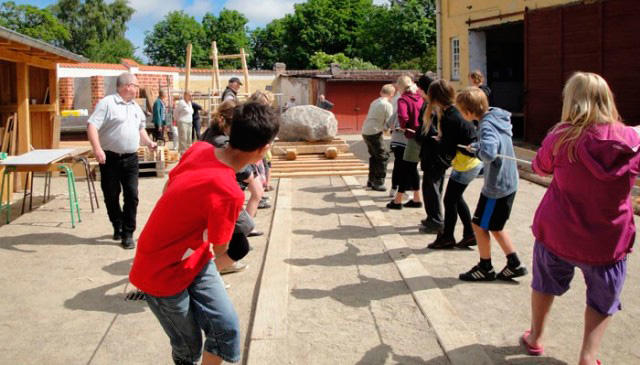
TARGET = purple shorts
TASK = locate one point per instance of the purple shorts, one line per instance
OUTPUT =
(552, 275)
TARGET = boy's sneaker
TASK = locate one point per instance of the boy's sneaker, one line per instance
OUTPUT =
(509, 273)
(237, 266)
(478, 274)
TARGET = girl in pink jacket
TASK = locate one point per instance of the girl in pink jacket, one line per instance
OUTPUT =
(585, 219)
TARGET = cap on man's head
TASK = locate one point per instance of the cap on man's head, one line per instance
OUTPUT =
(235, 79)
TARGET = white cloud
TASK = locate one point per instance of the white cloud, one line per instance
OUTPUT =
(199, 8)
(154, 9)
(260, 13)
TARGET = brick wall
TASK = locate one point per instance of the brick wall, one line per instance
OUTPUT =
(66, 93)
(154, 82)
(97, 90)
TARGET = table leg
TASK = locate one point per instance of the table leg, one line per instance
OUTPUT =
(6, 175)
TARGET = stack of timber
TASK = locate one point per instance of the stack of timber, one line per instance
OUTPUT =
(151, 162)
(305, 159)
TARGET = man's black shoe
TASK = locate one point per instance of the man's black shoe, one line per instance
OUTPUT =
(430, 227)
(378, 187)
(117, 234)
(128, 243)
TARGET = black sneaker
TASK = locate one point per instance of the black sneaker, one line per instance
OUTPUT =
(128, 243)
(467, 242)
(378, 187)
(509, 273)
(442, 243)
(478, 274)
(430, 227)
(117, 234)
(369, 184)
(413, 204)
(394, 205)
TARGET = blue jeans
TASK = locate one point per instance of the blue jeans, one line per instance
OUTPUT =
(203, 306)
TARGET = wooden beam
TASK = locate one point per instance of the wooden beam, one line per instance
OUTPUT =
(230, 56)
(215, 72)
(188, 66)
(319, 173)
(11, 108)
(19, 57)
(310, 149)
(245, 70)
(24, 115)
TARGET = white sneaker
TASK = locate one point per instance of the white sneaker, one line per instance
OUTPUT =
(393, 192)
(226, 285)
(237, 266)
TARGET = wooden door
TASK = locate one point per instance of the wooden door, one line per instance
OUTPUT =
(351, 102)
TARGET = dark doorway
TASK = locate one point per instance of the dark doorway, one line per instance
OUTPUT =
(505, 70)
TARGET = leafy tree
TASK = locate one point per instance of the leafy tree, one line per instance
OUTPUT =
(111, 50)
(321, 60)
(93, 23)
(399, 33)
(229, 31)
(167, 43)
(268, 45)
(33, 22)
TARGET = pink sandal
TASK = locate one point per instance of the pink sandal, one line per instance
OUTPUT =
(531, 350)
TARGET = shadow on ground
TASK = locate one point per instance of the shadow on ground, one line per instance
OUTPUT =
(100, 300)
(369, 289)
(33, 239)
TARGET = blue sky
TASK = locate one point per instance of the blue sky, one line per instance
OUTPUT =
(149, 12)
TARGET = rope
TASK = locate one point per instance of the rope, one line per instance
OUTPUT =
(500, 156)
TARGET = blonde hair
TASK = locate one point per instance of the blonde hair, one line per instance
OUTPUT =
(440, 92)
(388, 89)
(405, 83)
(472, 100)
(476, 77)
(587, 100)
(222, 116)
(262, 97)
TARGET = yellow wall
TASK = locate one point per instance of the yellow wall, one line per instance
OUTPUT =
(455, 14)
(203, 85)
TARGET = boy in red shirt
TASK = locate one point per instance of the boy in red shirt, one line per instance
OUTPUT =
(173, 263)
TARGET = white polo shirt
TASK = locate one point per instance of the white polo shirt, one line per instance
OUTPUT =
(118, 123)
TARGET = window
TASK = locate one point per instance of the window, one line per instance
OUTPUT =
(455, 59)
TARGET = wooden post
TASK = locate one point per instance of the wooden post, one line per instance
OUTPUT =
(188, 67)
(24, 116)
(215, 71)
(54, 115)
(243, 56)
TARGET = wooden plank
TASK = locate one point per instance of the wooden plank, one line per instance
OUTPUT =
(188, 67)
(310, 149)
(24, 116)
(230, 56)
(245, 70)
(319, 173)
(319, 169)
(303, 143)
(275, 164)
(39, 108)
(19, 57)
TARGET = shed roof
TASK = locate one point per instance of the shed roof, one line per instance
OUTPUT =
(19, 47)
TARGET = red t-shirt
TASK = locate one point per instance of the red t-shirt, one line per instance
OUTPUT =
(202, 193)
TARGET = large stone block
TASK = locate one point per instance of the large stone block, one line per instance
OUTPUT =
(308, 123)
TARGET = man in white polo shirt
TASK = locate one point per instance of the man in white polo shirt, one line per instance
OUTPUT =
(379, 111)
(115, 130)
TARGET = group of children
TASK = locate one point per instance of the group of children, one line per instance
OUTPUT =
(584, 220)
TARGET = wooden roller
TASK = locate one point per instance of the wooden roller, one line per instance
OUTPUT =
(292, 154)
(331, 153)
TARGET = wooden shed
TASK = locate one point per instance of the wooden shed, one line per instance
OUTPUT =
(28, 89)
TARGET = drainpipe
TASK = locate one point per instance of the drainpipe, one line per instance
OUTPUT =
(439, 37)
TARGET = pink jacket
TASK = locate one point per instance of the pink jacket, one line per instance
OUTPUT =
(409, 106)
(586, 215)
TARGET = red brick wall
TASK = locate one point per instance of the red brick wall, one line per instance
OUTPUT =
(153, 82)
(97, 89)
(66, 93)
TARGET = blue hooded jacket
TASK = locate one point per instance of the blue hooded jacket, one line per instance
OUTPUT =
(494, 138)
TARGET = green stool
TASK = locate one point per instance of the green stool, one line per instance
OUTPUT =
(73, 196)
(6, 206)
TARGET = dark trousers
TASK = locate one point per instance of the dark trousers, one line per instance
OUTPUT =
(432, 183)
(455, 205)
(378, 157)
(196, 129)
(405, 174)
(120, 173)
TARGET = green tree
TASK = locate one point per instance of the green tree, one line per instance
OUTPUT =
(94, 23)
(321, 60)
(33, 22)
(111, 50)
(268, 45)
(167, 43)
(402, 32)
(229, 30)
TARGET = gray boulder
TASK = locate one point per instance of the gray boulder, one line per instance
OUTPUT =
(307, 123)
